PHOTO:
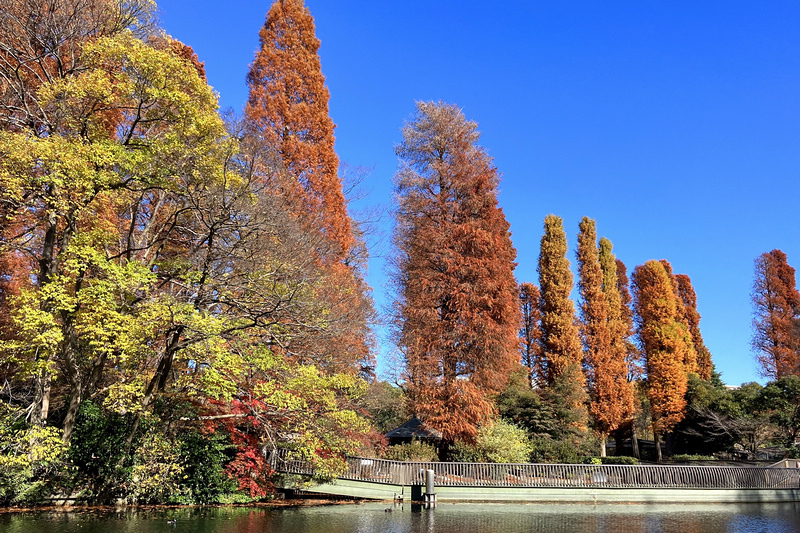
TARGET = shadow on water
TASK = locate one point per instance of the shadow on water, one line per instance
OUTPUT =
(407, 518)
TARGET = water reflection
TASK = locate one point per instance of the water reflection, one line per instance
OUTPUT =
(451, 518)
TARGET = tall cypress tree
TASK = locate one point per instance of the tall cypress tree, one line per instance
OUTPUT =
(633, 356)
(776, 305)
(603, 333)
(288, 109)
(665, 342)
(457, 309)
(287, 115)
(562, 354)
(530, 333)
(688, 297)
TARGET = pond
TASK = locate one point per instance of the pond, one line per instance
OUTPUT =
(452, 518)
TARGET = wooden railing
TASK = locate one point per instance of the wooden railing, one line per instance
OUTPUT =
(555, 475)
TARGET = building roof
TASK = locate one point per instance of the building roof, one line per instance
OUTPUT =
(414, 429)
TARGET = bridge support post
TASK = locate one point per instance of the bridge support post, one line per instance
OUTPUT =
(430, 493)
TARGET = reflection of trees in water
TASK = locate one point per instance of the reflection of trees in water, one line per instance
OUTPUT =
(446, 518)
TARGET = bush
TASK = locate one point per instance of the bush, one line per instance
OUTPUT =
(411, 451)
(684, 457)
(97, 452)
(619, 460)
(156, 472)
(30, 458)
(203, 459)
(547, 450)
(500, 442)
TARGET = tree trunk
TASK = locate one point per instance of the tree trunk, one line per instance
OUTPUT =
(635, 441)
(603, 445)
(157, 383)
(41, 399)
(657, 438)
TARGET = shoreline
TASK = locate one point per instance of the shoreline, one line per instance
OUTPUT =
(277, 504)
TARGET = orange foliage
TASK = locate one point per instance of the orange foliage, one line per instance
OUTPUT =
(603, 334)
(458, 315)
(530, 334)
(560, 337)
(688, 296)
(288, 109)
(776, 303)
(665, 343)
(287, 114)
(633, 357)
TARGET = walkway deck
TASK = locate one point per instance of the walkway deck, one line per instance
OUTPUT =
(386, 480)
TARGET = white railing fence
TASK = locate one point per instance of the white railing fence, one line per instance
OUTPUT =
(553, 475)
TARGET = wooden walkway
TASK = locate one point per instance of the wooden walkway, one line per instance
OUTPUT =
(382, 479)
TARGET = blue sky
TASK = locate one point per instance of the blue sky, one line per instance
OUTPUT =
(675, 125)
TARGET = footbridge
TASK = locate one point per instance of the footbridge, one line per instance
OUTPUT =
(392, 480)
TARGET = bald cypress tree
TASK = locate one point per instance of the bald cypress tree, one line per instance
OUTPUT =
(288, 109)
(457, 309)
(562, 354)
(603, 334)
(688, 297)
(287, 117)
(776, 304)
(665, 342)
(530, 333)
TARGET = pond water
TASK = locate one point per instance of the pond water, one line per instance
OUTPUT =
(451, 518)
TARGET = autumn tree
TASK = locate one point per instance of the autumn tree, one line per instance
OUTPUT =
(620, 325)
(457, 312)
(288, 108)
(561, 344)
(776, 305)
(690, 355)
(688, 298)
(665, 341)
(287, 112)
(633, 356)
(530, 333)
(602, 332)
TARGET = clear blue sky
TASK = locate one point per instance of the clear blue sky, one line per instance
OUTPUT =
(676, 125)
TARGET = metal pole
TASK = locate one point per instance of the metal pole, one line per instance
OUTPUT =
(430, 494)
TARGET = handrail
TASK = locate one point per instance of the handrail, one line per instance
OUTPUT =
(553, 475)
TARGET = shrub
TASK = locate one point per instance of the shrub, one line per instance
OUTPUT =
(548, 450)
(155, 476)
(203, 459)
(411, 451)
(619, 460)
(29, 459)
(500, 442)
(683, 457)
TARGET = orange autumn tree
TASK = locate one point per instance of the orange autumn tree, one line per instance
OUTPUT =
(561, 344)
(632, 354)
(603, 334)
(690, 355)
(288, 109)
(530, 333)
(622, 362)
(287, 114)
(688, 297)
(456, 313)
(665, 342)
(776, 303)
